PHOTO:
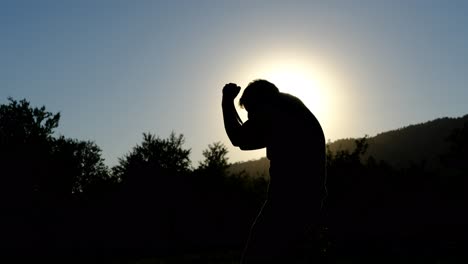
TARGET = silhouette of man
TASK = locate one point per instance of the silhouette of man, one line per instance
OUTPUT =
(295, 146)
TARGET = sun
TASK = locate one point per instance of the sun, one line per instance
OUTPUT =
(297, 82)
(315, 80)
(303, 81)
(312, 79)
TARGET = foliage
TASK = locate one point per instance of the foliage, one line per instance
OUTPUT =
(167, 155)
(457, 157)
(81, 161)
(41, 163)
(216, 161)
(343, 157)
(254, 168)
(57, 195)
(22, 124)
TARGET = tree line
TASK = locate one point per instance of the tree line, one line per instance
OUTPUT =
(58, 197)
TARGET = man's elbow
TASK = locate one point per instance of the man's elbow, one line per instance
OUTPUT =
(244, 147)
(243, 144)
(235, 139)
(236, 143)
(240, 146)
(249, 146)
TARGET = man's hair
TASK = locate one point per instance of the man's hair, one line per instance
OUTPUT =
(257, 92)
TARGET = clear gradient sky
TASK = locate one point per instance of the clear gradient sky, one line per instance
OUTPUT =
(115, 69)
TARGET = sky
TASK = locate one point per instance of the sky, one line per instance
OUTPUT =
(115, 69)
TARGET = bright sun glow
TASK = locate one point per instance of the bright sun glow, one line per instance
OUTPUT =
(308, 82)
(310, 78)
(300, 83)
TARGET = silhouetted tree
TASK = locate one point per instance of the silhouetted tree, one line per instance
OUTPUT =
(457, 156)
(215, 157)
(25, 145)
(162, 155)
(154, 192)
(39, 174)
(453, 189)
(29, 151)
(215, 164)
(80, 162)
(26, 142)
(20, 123)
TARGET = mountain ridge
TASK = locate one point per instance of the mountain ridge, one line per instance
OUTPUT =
(420, 143)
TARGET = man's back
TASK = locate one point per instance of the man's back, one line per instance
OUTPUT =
(296, 149)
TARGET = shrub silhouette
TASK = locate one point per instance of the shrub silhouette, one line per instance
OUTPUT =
(57, 195)
(39, 175)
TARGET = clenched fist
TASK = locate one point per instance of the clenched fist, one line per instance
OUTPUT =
(231, 90)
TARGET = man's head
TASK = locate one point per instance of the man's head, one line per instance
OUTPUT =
(258, 93)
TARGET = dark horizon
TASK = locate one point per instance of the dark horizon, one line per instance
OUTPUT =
(59, 196)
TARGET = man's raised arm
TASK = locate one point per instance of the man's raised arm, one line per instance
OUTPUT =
(232, 122)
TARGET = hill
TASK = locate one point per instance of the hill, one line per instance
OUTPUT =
(423, 142)
(255, 168)
(417, 143)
